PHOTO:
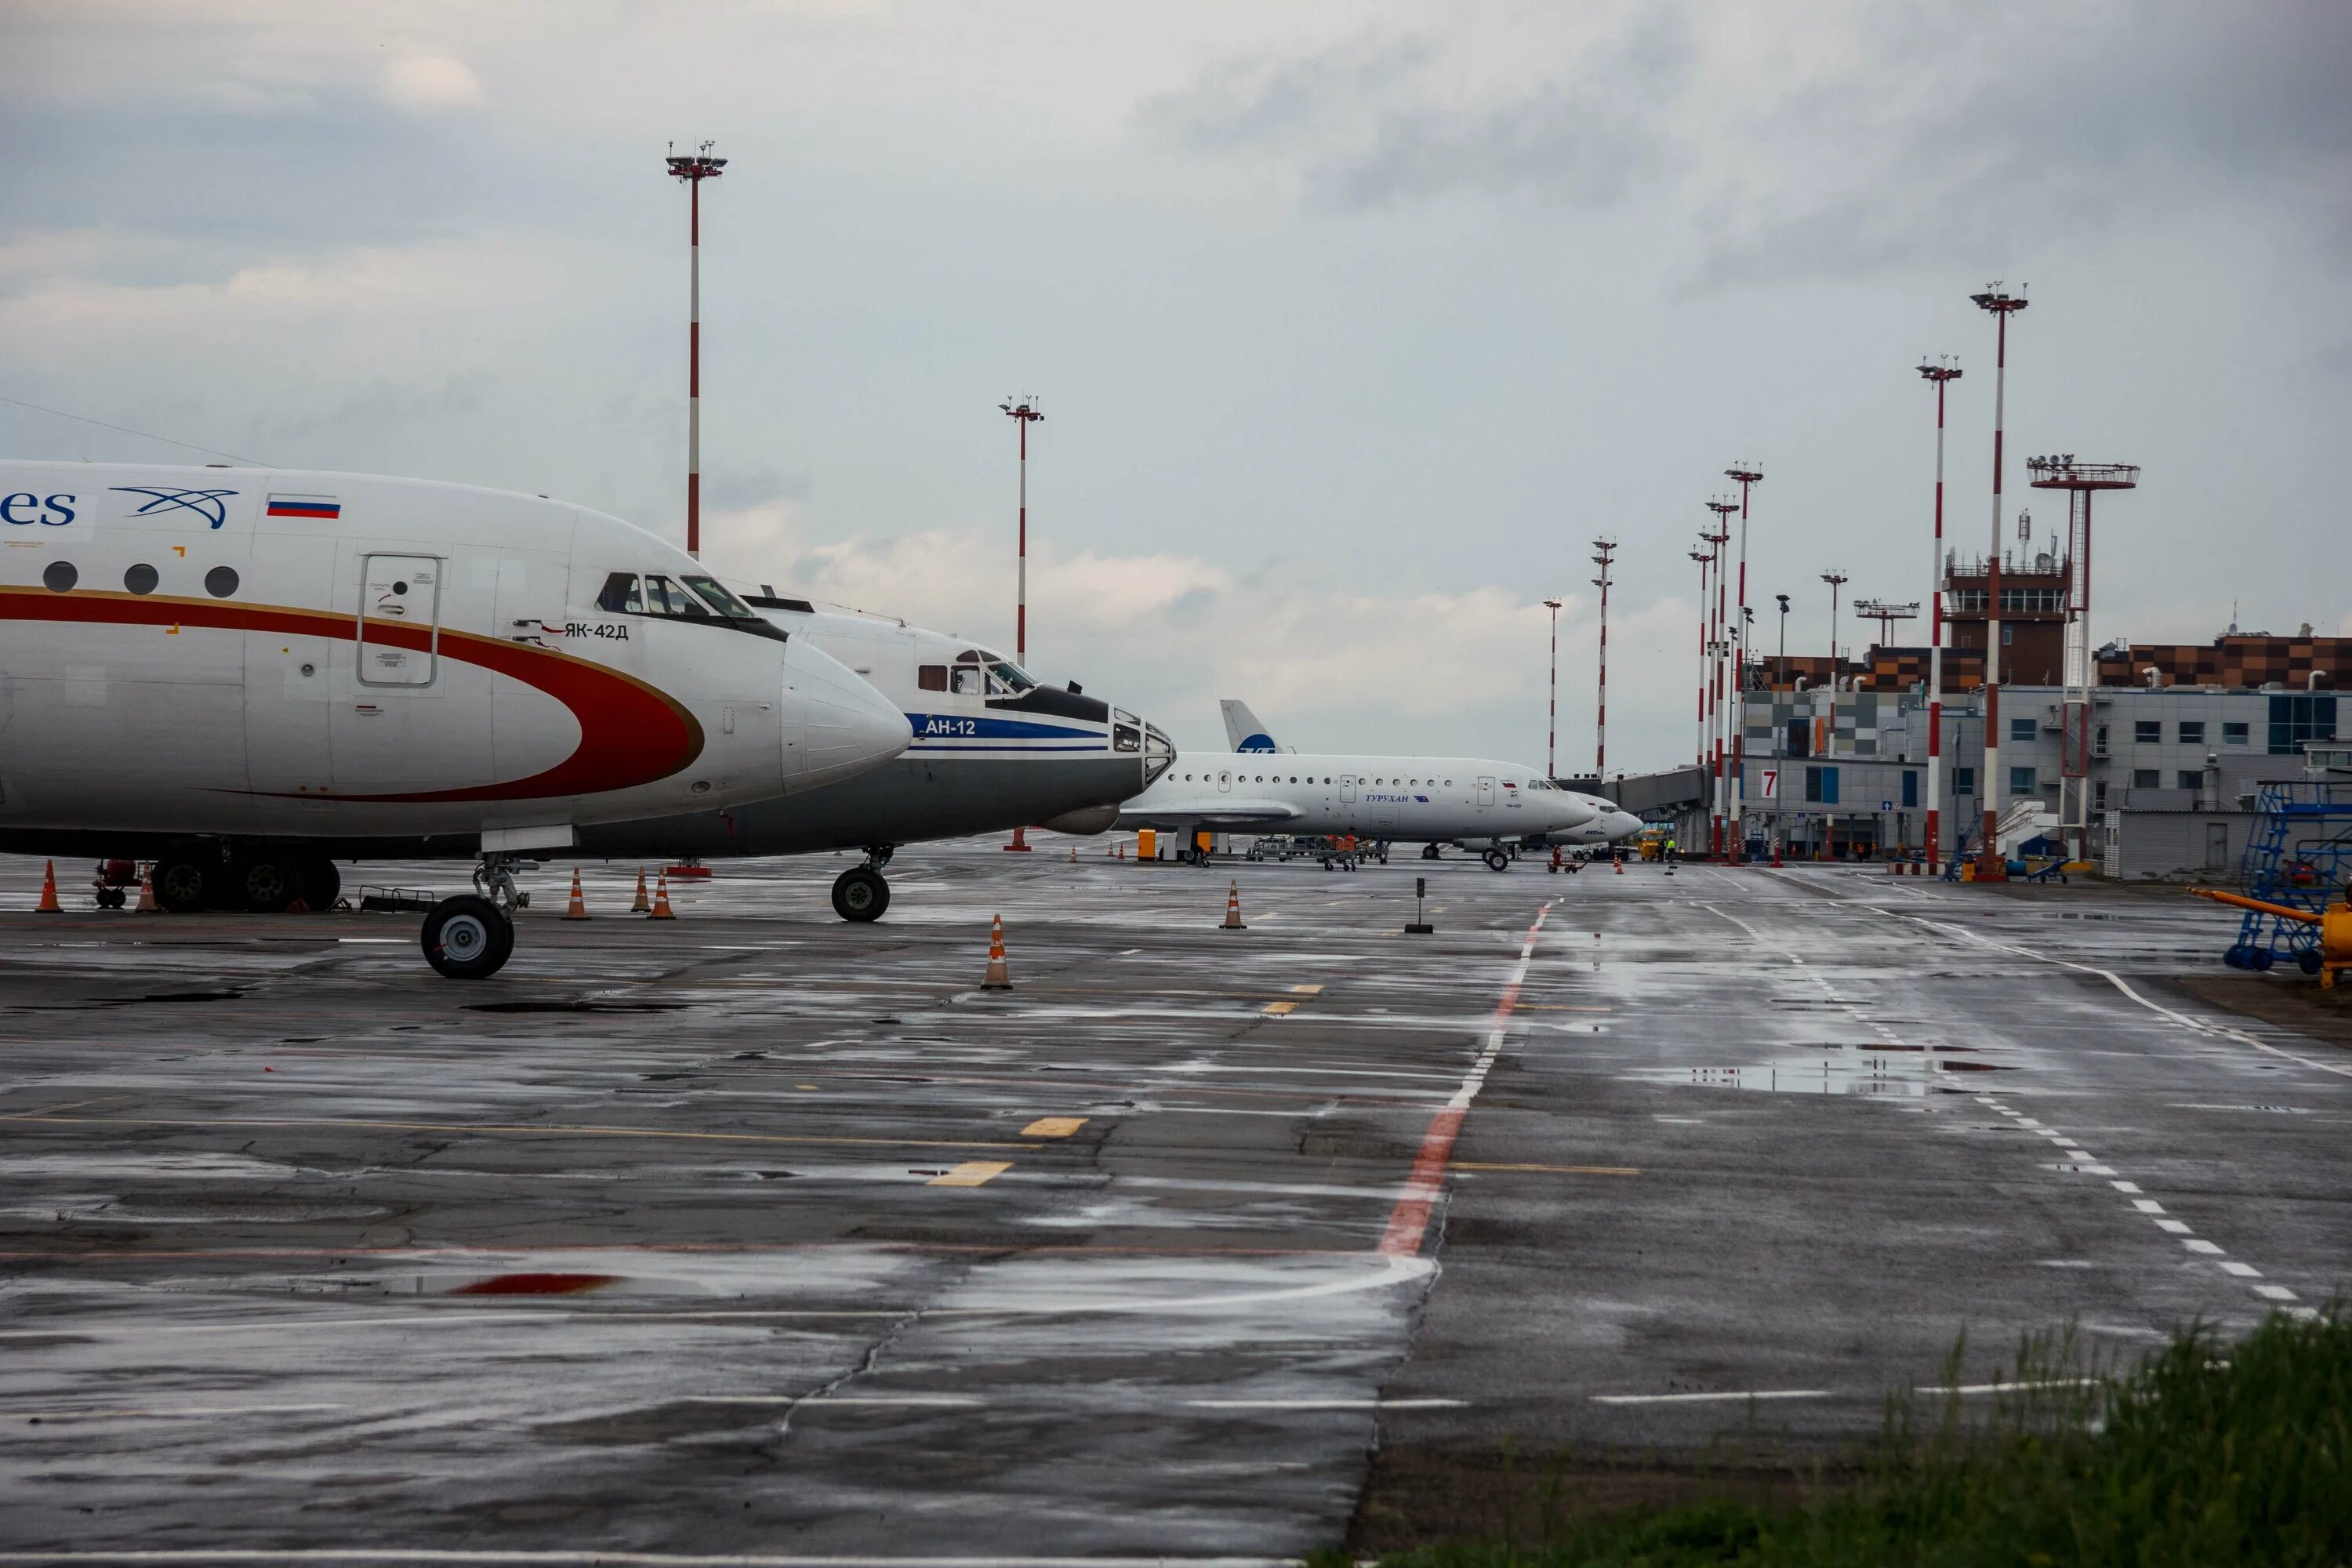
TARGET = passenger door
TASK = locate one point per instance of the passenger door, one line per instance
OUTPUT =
(398, 591)
(1486, 790)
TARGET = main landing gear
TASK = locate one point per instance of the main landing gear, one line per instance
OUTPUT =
(471, 936)
(862, 893)
(1499, 860)
(1429, 851)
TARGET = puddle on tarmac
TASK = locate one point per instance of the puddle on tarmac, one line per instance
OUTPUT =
(1897, 1072)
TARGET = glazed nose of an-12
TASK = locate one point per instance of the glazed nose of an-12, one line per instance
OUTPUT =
(837, 725)
(1158, 754)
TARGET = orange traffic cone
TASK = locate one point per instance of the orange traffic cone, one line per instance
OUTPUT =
(661, 909)
(996, 978)
(1073, 854)
(1621, 864)
(643, 904)
(1232, 908)
(147, 904)
(48, 904)
(579, 907)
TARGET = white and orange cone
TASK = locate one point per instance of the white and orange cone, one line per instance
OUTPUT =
(997, 978)
(642, 905)
(578, 909)
(147, 904)
(1232, 908)
(661, 909)
(1621, 863)
(48, 904)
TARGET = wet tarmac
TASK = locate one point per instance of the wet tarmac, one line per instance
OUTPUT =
(763, 1235)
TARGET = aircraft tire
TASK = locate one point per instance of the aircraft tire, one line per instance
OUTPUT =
(861, 894)
(323, 882)
(1429, 851)
(266, 883)
(182, 883)
(1498, 860)
(468, 937)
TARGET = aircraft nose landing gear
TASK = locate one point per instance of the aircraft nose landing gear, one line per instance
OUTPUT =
(862, 893)
(472, 935)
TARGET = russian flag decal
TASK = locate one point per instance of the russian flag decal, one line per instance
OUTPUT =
(305, 506)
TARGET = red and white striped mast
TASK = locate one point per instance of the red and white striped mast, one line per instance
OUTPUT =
(1705, 558)
(1603, 548)
(1748, 475)
(1024, 412)
(1720, 649)
(1551, 724)
(1992, 864)
(694, 168)
(1941, 374)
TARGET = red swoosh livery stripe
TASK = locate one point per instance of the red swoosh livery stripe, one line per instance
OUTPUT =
(630, 733)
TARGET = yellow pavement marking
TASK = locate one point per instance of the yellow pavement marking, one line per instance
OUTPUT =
(810, 1086)
(550, 1130)
(1280, 1007)
(1306, 991)
(1053, 1127)
(1556, 1169)
(971, 1173)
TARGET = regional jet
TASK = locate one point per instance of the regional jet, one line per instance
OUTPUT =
(1470, 801)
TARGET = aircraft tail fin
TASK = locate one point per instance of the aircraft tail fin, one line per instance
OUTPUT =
(1244, 731)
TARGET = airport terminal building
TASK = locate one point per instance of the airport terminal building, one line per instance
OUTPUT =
(2180, 737)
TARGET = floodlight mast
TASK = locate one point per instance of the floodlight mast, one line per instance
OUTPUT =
(694, 168)
(1748, 475)
(1705, 558)
(1604, 549)
(1992, 865)
(1720, 648)
(1551, 724)
(1945, 371)
(1024, 412)
(2082, 481)
(1836, 580)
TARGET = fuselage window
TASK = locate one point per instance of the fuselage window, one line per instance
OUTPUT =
(931, 676)
(221, 582)
(141, 579)
(59, 576)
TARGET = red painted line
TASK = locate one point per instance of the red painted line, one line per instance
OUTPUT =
(1408, 1227)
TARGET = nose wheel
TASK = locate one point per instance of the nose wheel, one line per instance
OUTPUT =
(468, 937)
(861, 893)
(1499, 860)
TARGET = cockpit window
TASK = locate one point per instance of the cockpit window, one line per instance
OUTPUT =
(621, 595)
(664, 598)
(716, 595)
(1005, 679)
(968, 680)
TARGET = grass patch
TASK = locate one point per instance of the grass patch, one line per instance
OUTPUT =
(2200, 1454)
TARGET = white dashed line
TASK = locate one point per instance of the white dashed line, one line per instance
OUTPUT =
(1709, 1398)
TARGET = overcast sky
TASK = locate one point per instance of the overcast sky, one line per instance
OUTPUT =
(1353, 324)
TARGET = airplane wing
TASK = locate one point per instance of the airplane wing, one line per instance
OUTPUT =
(1232, 814)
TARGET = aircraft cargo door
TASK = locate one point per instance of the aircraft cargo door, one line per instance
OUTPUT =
(1486, 790)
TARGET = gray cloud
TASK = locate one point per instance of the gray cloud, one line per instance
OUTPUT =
(2017, 128)
(1368, 122)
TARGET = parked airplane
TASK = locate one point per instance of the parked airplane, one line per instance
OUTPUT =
(243, 672)
(993, 749)
(1432, 800)
(1610, 824)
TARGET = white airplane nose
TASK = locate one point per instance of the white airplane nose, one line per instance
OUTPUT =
(845, 726)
